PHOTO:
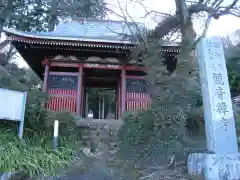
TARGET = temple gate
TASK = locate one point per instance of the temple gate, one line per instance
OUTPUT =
(82, 54)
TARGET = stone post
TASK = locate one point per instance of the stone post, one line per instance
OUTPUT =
(222, 162)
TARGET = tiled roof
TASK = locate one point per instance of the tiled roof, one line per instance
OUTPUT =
(87, 30)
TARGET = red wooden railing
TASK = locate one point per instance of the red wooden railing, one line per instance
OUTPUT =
(62, 88)
(136, 101)
(137, 98)
(62, 100)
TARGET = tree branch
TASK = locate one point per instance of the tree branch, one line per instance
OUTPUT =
(227, 9)
(173, 22)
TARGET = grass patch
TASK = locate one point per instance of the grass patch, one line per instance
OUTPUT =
(34, 154)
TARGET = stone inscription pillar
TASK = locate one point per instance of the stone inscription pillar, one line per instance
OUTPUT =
(218, 112)
(223, 160)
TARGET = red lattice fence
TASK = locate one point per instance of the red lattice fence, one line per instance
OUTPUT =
(63, 92)
(137, 97)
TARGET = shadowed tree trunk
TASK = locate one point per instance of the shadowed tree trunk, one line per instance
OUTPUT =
(53, 16)
(6, 8)
(186, 25)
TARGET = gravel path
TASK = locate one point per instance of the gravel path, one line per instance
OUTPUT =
(89, 169)
(97, 171)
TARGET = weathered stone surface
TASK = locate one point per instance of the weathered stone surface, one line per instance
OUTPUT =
(214, 166)
(223, 163)
(196, 165)
(96, 131)
(218, 111)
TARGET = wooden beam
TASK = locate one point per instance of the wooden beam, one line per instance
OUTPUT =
(102, 78)
(64, 64)
(97, 66)
(63, 73)
(135, 77)
(101, 66)
(134, 68)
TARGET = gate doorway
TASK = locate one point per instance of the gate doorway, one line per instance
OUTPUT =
(100, 103)
(100, 93)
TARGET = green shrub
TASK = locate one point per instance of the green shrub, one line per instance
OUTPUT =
(39, 119)
(138, 128)
(34, 154)
(35, 115)
(146, 136)
(31, 157)
(136, 133)
(237, 120)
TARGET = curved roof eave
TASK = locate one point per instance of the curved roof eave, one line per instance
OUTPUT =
(62, 38)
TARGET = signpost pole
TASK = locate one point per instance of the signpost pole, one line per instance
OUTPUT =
(55, 135)
(20, 131)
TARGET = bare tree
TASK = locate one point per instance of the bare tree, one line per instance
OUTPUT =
(185, 11)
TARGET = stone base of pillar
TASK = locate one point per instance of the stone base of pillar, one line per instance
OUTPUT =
(214, 166)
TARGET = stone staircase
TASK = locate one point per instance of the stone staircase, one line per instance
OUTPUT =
(102, 140)
(97, 132)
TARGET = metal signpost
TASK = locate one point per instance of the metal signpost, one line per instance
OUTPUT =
(12, 107)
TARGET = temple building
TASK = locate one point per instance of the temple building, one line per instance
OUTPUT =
(81, 54)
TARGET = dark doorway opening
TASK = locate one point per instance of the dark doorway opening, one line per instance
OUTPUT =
(100, 99)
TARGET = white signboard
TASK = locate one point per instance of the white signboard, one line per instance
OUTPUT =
(12, 107)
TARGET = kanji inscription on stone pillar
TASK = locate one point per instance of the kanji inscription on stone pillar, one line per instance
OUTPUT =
(218, 111)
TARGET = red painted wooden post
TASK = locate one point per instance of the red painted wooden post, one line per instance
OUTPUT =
(119, 99)
(116, 101)
(45, 75)
(79, 91)
(123, 91)
(82, 96)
